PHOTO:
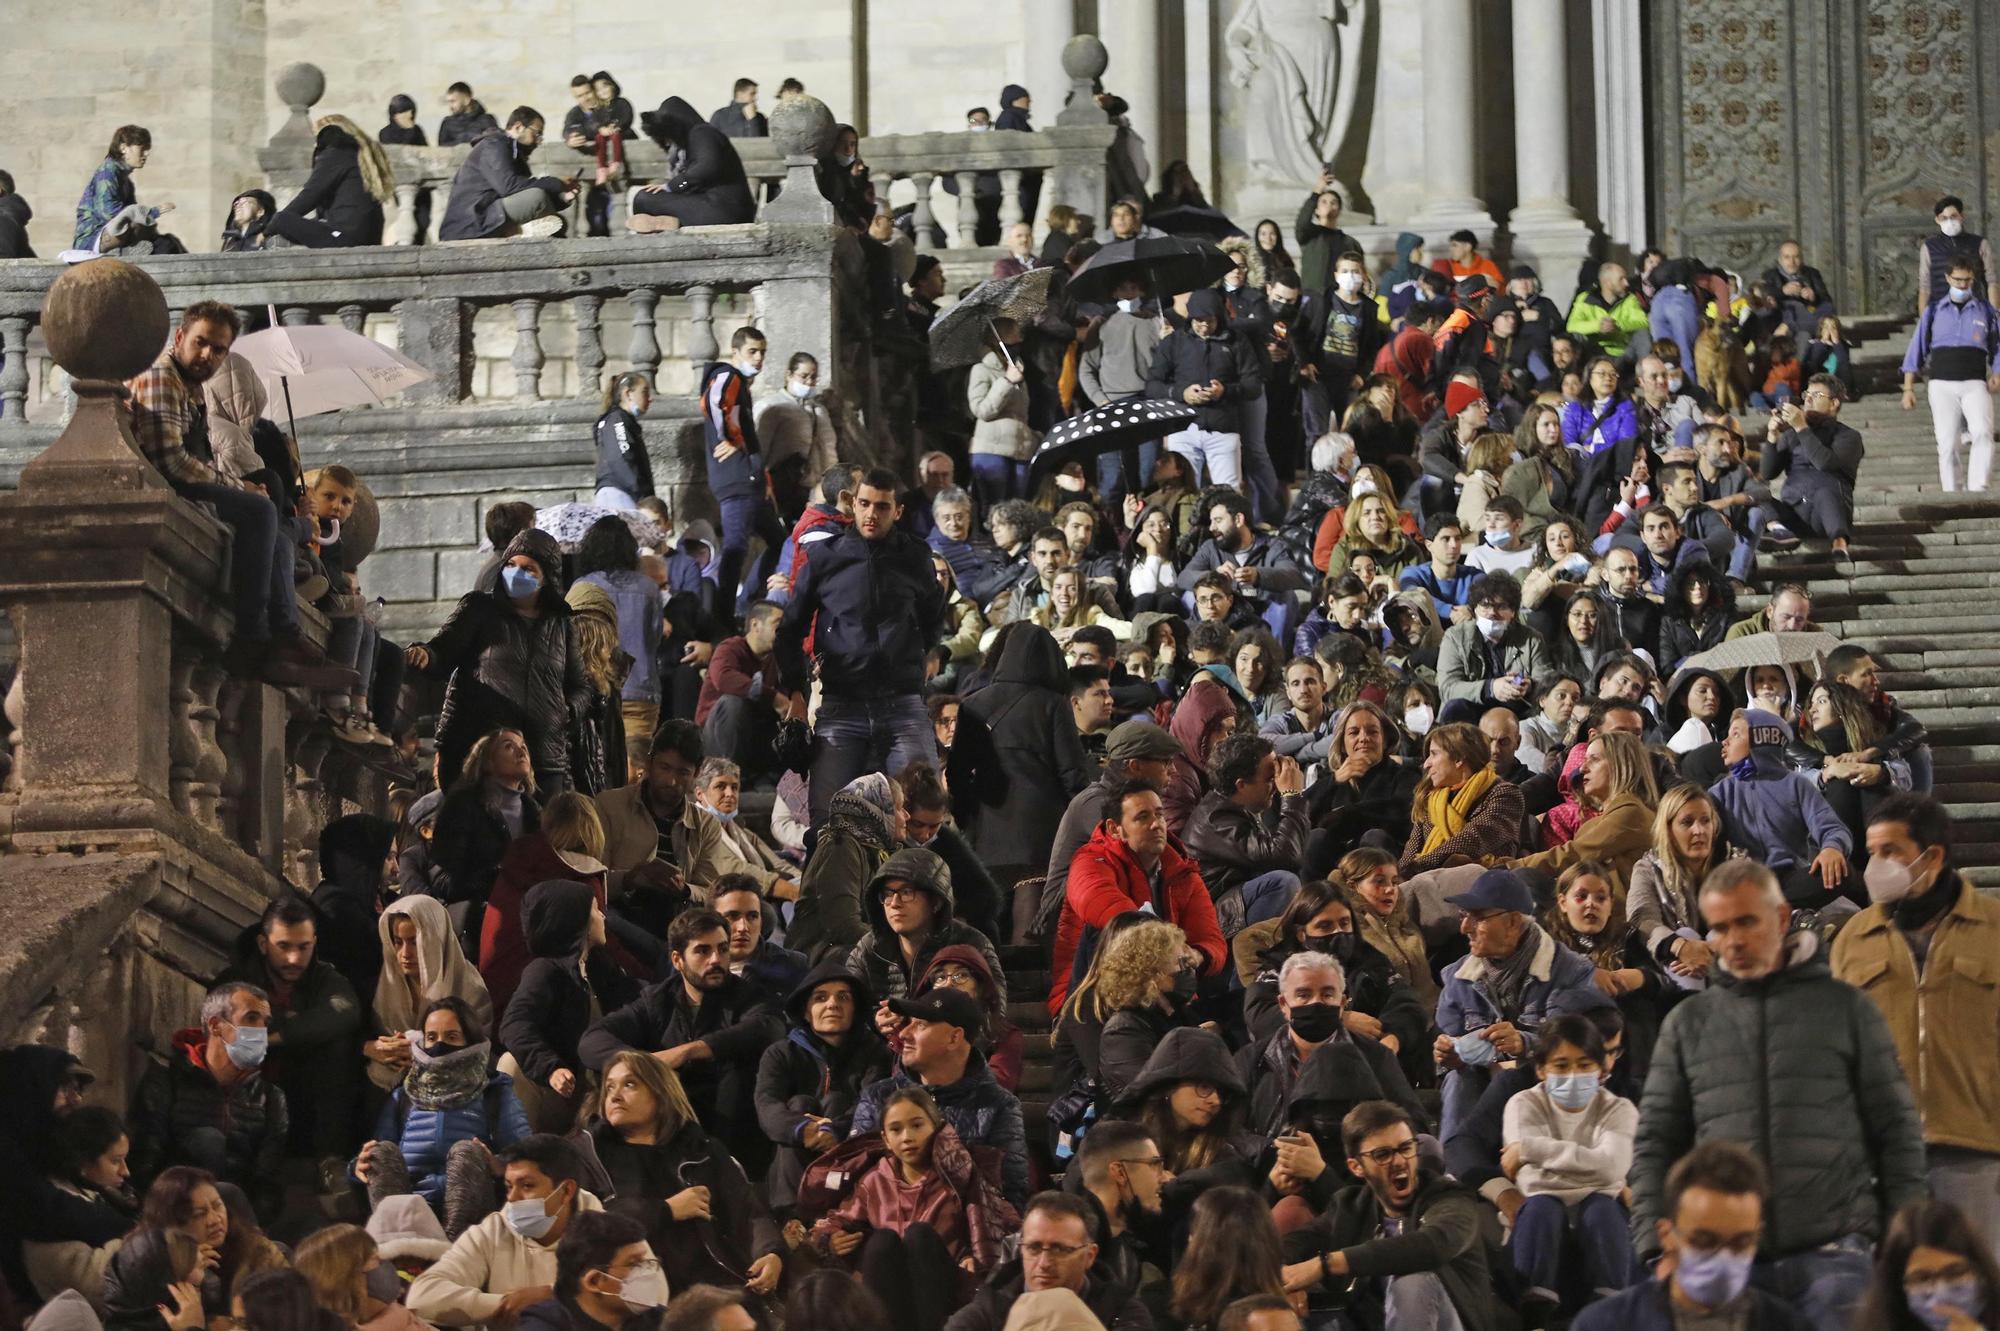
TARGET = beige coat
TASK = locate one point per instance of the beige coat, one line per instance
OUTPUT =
(235, 398)
(999, 411)
(700, 851)
(1946, 1022)
(482, 1266)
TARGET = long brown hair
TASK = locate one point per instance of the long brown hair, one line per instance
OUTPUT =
(1609, 951)
(376, 176)
(333, 1259)
(1233, 1250)
(672, 1112)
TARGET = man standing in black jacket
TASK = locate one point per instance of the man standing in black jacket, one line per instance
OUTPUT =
(465, 118)
(1214, 369)
(873, 608)
(710, 1026)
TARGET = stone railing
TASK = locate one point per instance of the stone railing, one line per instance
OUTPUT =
(1070, 159)
(156, 800)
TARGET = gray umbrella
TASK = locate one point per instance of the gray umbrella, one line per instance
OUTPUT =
(959, 335)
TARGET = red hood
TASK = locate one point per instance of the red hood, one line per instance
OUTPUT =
(816, 516)
(1205, 702)
(191, 1043)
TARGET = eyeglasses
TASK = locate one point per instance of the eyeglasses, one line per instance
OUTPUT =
(951, 975)
(1384, 1155)
(644, 1266)
(1150, 1161)
(1062, 1250)
(906, 893)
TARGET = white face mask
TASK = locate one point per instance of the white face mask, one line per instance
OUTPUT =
(799, 390)
(1958, 295)
(1951, 226)
(644, 1289)
(978, 129)
(1364, 486)
(1888, 881)
(1349, 283)
(747, 371)
(1129, 306)
(1417, 720)
(1490, 629)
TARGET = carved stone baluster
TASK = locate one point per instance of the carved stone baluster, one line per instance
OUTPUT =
(589, 309)
(702, 348)
(968, 209)
(404, 230)
(528, 357)
(643, 351)
(617, 209)
(13, 368)
(1010, 197)
(881, 180)
(210, 764)
(11, 708)
(922, 220)
(183, 746)
(296, 316)
(354, 318)
(229, 704)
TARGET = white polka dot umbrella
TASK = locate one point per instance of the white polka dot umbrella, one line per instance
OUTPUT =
(1109, 428)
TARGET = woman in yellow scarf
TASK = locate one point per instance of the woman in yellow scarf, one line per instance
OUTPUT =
(1462, 812)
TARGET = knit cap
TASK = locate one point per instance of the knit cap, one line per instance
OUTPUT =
(1458, 395)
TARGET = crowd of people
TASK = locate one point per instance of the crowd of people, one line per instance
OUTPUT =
(1431, 941)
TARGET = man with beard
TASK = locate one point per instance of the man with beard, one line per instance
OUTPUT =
(1625, 593)
(1312, 990)
(937, 1039)
(773, 970)
(1259, 567)
(659, 844)
(170, 425)
(1123, 1174)
(807, 1086)
(314, 1019)
(1407, 1242)
(709, 1026)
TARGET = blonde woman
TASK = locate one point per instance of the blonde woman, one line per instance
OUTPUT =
(1372, 525)
(1146, 980)
(1617, 783)
(1486, 464)
(1687, 844)
(421, 963)
(340, 206)
(353, 1281)
(1462, 811)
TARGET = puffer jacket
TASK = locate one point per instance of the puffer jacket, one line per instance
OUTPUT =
(1802, 1069)
(1038, 750)
(1233, 844)
(457, 1097)
(335, 190)
(505, 669)
(999, 411)
(181, 1097)
(550, 1008)
(804, 1075)
(979, 1109)
(878, 956)
(960, 1199)
(715, 1251)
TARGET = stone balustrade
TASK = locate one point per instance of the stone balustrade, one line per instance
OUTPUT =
(155, 800)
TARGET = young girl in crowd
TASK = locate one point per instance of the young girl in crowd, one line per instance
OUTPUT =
(1568, 1146)
(1588, 918)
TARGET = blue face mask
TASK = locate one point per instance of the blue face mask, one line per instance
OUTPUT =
(1712, 1278)
(1573, 1090)
(246, 1048)
(521, 583)
(1473, 1049)
(529, 1217)
(1959, 295)
(1935, 1305)
(1499, 538)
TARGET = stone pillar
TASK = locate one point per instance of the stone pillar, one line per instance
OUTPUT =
(642, 353)
(1076, 181)
(1618, 45)
(1049, 24)
(1131, 32)
(1198, 92)
(1546, 229)
(801, 129)
(528, 358)
(1450, 110)
(799, 315)
(13, 369)
(436, 333)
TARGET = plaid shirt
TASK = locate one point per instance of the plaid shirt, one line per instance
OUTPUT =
(163, 407)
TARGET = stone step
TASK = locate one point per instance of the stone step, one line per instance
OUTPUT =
(1904, 683)
(1965, 754)
(1897, 581)
(1962, 657)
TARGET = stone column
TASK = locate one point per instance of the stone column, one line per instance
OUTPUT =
(1618, 37)
(1131, 32)
(1197, 39)
(1546, 229)
(1049, 26)
(1450, 110)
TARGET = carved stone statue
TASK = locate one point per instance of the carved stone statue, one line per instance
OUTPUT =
(1299, 62)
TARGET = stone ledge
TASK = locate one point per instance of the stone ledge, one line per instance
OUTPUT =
(63, 911)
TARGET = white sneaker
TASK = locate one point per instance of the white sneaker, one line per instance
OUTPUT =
(541, 228)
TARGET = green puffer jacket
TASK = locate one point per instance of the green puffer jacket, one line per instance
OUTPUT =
(1800, 1068)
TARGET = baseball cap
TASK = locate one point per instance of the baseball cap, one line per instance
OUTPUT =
(1496, 889)
(954, 1007)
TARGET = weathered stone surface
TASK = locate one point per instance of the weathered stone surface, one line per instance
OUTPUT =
(104, 320)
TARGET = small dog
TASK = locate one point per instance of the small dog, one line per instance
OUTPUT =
(1722, 367)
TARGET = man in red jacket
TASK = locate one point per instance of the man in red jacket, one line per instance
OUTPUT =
(1132, 864)
(741, 702)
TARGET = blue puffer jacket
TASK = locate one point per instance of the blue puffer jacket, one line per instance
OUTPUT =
(451, 1100)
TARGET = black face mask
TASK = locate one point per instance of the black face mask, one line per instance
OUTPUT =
(1315, 1022)
(1284, 309)
(1184, 985)
(1338, 946)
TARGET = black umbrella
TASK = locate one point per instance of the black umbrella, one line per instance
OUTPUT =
(1191, 221)
(958, 336)
(1168, 266)
(1107, 429)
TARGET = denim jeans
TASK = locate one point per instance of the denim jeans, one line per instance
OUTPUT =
(862, 735)
(1260, 476)
(1824, 1286)
(742, 518)
(1126, 471)
(1217, 458)
(1419, 1302)
(260, 565)
(1603, 1231)
(996, 479)
(1969, 1180)
(352, 642)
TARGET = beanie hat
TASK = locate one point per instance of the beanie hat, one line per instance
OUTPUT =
(1458, 395)
(1207, 303)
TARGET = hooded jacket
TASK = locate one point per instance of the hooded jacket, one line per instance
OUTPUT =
(550, 1008)
(1402, 285)
(336, 193)
(710, 188)
(1039, 752)
(504, 951)
(1446, 1234)
(1184, 359)
(803, 1074)
(505, 669)
(481, 1267)
(443, 971)
(15, 214)
(878, 957)
(235, 398)
(1774, 812)
(1189, 1053)
(829, 916)
(959, 1198)
(1205, 703)
(136, 1282)
(1106, 880)
(458, 1097)
(351, 850)
(1004, 1045)
(873, 608)
(1802, 1069)
(181, 1097)
(979, 1109)
(1288, 1091)
(495, 168)
(1012, 116)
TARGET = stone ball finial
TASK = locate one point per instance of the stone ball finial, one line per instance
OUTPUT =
(1084, 57)
(301, 84)
(802, 126)
(105, 319)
